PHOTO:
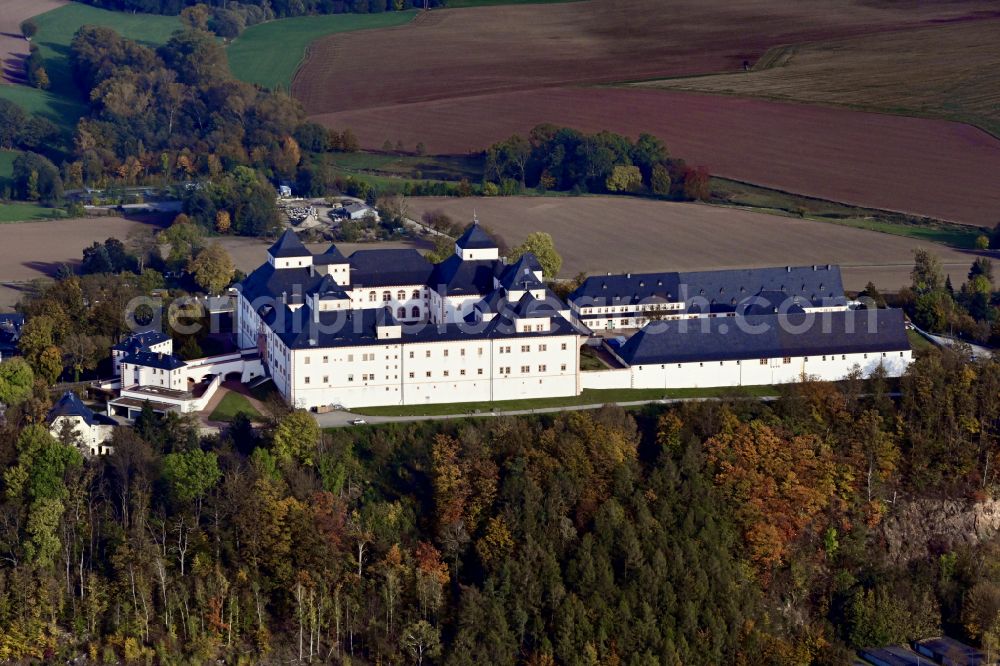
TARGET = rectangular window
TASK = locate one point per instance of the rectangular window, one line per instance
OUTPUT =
(326, 359)
(350, 358)
(564, 346)
(411, 375)
(446, 352)
(461, 372)
(307, 360)
(479, 371)
(562, 368)
(411, 354)
(786, 360)
(541, 368)
(525, 348)
(428, 373)
(445, 373)
(427, 354)
(480, 351)
(326, 379)
(525, 369)
(462, 352)
(763, 361)
(350, 378)
(543, 348)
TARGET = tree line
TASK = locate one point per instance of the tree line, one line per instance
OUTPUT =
(565, 159)
(262, 10)
(972, 311)
(731, 532)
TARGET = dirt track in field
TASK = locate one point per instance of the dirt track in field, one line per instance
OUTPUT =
(13, 47)
(920, 166)
(620, 234)
(454, 53)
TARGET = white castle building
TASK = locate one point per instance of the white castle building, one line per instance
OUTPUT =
(386, 327)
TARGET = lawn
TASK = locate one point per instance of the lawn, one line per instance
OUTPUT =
(25, 212)
(919, 342)
(426, 167)
(270, 53)
(231, 405)
(62, 103)
(587, 397)
(56, 30)
(62, 110)
(460, 4)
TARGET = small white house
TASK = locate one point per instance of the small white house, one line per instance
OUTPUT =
(146, 341)
(92, 430)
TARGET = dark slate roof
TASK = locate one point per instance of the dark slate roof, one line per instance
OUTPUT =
(270, 282)
(521, 274)
(949, 651)
(331, 256)
(328, 289)
(455, 277)
(714, 291)
(140, 341)
(767, 336)
(626, 289)
(304, 328)
(154, 360)
(387, 268)
(288, 245)
(475, 238)
(71, 405)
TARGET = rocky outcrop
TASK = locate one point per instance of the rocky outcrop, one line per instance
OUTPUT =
(927, 528)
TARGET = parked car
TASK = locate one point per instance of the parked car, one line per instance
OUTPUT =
(359, 422)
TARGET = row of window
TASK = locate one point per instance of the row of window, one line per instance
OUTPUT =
(387, 295)
(370, 377)
(787, 360)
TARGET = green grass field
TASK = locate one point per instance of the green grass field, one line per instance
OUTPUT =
(62, 110)
(56, 30)
(270, 53)
(587, 397)
(62, 103)
(919, 342)
(460, 4)
(426, 167)
(26, 212)
(231, 405)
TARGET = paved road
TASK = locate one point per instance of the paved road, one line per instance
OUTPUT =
(340, 419)
(978, 352)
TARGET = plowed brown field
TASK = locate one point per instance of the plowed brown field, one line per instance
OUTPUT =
(920, 166)
(621, 234)
(452, 53)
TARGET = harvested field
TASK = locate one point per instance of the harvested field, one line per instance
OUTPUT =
(32, 250)
(950, 71)
(920, 166)
(458, 52)
(13, 47)
(619, 234)
(52, 243)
